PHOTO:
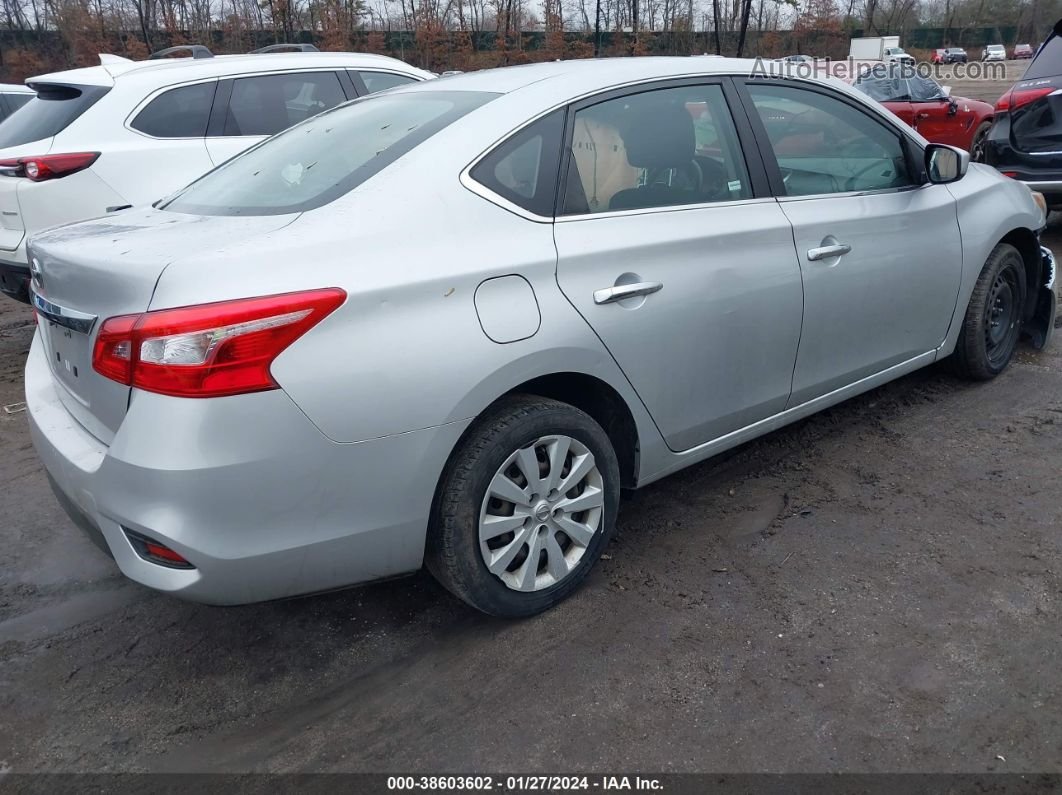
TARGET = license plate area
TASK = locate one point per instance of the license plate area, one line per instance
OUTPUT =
(68, 354)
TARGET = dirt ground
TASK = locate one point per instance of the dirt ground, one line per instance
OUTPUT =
(877, 588)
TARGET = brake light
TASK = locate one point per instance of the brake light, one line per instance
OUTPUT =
(210, 350)
(1015, 99)
(44, 167)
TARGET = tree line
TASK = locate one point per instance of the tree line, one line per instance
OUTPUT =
(38, 36)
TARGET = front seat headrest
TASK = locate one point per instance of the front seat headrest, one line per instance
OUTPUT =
(659, 135)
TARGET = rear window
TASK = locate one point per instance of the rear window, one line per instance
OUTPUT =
(1046, 63)
(16, 101)
(48, 113)
(325, 157)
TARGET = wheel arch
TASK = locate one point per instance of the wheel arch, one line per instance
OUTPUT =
(601, 401)
(1025, 241)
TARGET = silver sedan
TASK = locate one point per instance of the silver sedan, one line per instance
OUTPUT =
(447, 324)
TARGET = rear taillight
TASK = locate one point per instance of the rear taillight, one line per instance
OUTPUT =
(45, 167)
(211, 350)
(1015, 99)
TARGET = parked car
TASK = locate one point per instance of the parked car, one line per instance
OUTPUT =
(447, 324)
(929, 108)
(126, 133)
(1022, 51)
(798, 59)
(994, 52)
(938, 56)
(1024, 142)
(954, 55)
(12, 97)
(897, 55)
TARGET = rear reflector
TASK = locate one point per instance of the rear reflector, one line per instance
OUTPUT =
(154, 552)
(39, 168)
(1015, 99)
(210, 350)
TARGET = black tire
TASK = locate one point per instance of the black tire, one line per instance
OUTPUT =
(977, 143)
(453, 553)
(992, 325)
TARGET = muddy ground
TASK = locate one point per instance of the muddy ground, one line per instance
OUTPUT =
(876, 588)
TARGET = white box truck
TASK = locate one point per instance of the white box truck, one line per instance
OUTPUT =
(878, 48)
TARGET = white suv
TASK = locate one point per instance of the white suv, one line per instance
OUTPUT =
(103, 138)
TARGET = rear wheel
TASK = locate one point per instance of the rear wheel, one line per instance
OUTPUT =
(992, 324)
(977, 143)
(527, 504)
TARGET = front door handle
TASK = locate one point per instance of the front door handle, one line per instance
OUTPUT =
(621, 291)
(828, 252)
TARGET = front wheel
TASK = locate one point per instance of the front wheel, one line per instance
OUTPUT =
(525, 507)
(992, 324)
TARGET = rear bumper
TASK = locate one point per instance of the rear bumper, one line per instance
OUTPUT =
(14, 281)
(246, 489)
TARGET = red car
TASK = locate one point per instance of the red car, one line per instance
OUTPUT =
(1022, 51)
(922, 103)
(937, 56)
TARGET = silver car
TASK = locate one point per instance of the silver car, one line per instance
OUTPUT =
(446, 325)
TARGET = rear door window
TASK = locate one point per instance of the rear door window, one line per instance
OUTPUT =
(1048, 62)
(50, 112)
(381, 81)
(178, 113)
(661, 148)
(268, 104)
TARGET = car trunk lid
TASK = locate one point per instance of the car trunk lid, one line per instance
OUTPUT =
(85, 273)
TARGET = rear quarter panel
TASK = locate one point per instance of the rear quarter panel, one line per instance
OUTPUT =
(407, 349)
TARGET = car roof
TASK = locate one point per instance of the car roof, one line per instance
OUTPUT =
(171, 70)
(576, 77)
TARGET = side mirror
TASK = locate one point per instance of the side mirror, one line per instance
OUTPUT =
(946, 164)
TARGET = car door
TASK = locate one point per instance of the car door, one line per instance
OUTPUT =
(250, 109)
(671, 248)
(879, 252)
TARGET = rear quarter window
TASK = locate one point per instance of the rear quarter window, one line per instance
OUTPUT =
(50, 112)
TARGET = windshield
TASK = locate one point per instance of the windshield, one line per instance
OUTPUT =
(319, 160)
(896, 87)
(48, 113)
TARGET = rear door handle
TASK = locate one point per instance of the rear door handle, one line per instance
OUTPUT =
(828, 252)
(621, 291)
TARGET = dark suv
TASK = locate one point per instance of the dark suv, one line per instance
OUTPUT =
(955, 55)
(1025, 141)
